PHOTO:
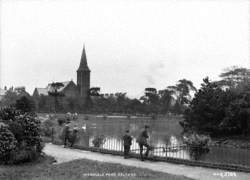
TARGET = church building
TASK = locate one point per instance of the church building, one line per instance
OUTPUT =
(69, 88)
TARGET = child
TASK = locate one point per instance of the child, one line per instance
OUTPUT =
(127, 141)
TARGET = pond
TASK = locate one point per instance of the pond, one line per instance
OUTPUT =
(165, 132)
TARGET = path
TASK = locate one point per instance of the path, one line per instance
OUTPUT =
(64, 155)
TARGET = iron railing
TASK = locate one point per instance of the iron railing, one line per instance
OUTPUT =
(214, 156)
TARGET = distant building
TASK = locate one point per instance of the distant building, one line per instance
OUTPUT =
(69, 88)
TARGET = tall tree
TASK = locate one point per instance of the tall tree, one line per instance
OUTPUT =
(53, 91)
(182, 92)
(166, 98)
(207, 109)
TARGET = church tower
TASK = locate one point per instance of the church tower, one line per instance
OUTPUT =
(83, 77)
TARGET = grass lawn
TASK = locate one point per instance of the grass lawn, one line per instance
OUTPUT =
(43, 169)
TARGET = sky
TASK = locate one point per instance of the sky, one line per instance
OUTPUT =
(130, 45)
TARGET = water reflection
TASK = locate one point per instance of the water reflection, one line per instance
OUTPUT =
(165, 134)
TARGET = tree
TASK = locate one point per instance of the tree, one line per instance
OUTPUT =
(55, 93)
(25, 104)
(95, 91)
(207, 109)
(166, 98)
(150, 100)
(232, 77)
(237, 116)
(10, 98)
(182, 91)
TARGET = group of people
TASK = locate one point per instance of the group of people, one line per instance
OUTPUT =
(142, 141)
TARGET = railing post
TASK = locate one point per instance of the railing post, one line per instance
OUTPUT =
(52, 134)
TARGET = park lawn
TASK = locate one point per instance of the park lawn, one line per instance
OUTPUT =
(77, 170)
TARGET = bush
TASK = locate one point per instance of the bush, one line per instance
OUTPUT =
(7, 143)
(23, 155)
(197, 144)
(98, 141)
(22, 133)
(195, 139)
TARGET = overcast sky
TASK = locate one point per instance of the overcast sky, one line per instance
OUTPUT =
(129, 44)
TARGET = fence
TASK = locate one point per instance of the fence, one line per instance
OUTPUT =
(212, 156)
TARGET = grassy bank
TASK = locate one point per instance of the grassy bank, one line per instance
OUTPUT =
(77, 170)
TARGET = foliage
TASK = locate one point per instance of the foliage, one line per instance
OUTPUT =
(98, 141)
(195, 139)
(237, 116)
(23, 155)
(221, 108)
(54, 92)
(12, 95)
(25, 128)
(7, 142)
(197, 144)
(170, 99)
(25, 104)
(207, 108)
(182, 91)
(234, 76)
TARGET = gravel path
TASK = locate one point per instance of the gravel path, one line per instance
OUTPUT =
(64, 155)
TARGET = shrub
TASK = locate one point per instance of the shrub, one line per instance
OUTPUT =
(7, 142)
(23, 155)
(31, 128)
(195, 139)
(98, 141)
(23, 132)
(197, 144)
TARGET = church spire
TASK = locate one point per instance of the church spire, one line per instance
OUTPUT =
(83, 64)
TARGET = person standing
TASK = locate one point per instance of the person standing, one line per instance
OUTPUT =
(66, 134)
(142, 141)
(127, 141)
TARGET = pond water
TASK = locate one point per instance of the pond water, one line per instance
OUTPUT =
(165, 132)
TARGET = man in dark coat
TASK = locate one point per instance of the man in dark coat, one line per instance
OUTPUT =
(142, 141)
(66, 132)
(127, 141)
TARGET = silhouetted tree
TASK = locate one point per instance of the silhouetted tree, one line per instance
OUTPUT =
(53, 91)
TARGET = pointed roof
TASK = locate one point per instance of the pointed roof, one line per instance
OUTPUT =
(83, 64)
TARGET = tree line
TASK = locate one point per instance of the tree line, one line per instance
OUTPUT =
(172, 99)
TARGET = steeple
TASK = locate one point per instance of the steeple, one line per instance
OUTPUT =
(83, 64)
(83, 77)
